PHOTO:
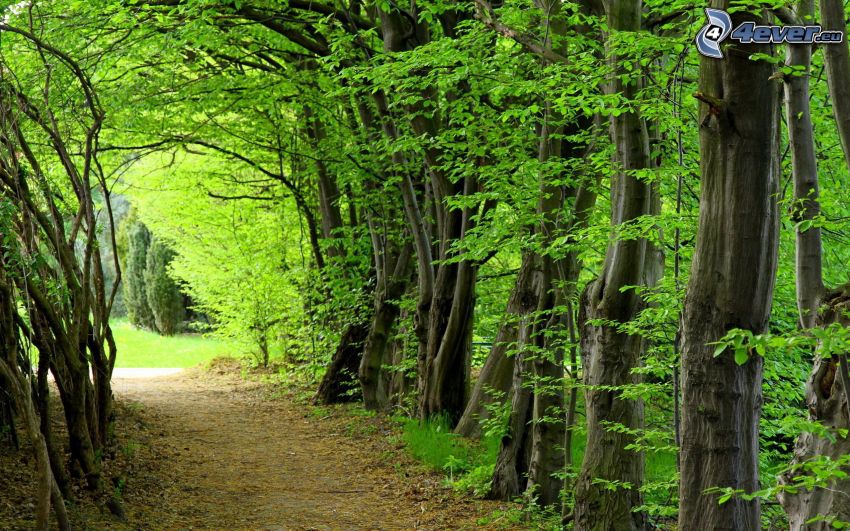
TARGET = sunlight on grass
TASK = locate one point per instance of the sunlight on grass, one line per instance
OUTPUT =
(143, 349)
(434, 444)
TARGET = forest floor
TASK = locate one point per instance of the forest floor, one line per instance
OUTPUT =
(213, 450)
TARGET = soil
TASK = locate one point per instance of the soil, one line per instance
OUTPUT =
(214, 450)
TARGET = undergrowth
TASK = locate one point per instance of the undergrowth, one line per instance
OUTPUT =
(468, 465)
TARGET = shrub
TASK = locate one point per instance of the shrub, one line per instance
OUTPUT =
(135, 262)
(164, 298)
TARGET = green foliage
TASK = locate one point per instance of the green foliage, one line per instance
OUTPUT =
(240, 261)
(495, 426)
(164, 298)
(231, 179)
(529, 516)
(153, 300)
(135, 262)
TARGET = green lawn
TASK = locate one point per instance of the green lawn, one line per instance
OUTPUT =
(142, 349)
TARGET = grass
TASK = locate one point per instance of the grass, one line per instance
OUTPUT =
(468, 465)
(434, 444)
(143, 349)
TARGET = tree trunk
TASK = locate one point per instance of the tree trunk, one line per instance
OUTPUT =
(385, 315)
(547, 413)
(339, 383)
(445, 371)
(607, 491)
(375, 351)
(805, 170)
(494, 381)
(328, 190)
(826, 397)
(102, 388)
(511, 471)
(446, 298)
(553, 282)
(497, 373)
(42, 399)
(399, 382)
(607, 488)
(48, 491)
(21, 392)
(7, 414)
(731, 285)
(73, 386)
(837, 62)
(825, 389)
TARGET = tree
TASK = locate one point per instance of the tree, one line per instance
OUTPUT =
(15, 381)
(731, 285)
(240, 260)
(366, 190)
(136, 298)
(50, 173)
(819, 505)
(609, 353)
(163, 296)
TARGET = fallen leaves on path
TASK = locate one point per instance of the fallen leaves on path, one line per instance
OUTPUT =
(211, 450)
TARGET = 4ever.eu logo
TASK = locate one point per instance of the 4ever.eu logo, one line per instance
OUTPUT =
(719, 28)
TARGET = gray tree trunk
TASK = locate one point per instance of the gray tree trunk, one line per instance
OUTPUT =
(548, 426)
(826, 398)
(391, 288)
(731, 285)
(837, 62)
(497, 373)
(340, 383)
(608, 355)
(446, 367)
(446, 296)
(510, 473)
(21, 391)
(825, 389)
(805, 172)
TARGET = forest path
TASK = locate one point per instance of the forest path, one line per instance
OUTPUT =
(246, 462)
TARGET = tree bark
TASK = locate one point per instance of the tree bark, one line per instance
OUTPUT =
(548, 428)
(510, 473)
(7, 414)
(608, 358)
(400, 383)
(609, 355)
(42, 399)
(446, 368)
(826, 393)
(339, 383)
(73, 390)
(386, 312)
(801, 141)
(21, 391)
(826, 398)
(101, 386)
(553, 283)
(497, 372)
(48, 491)
(837, 62)
(328, 190)
(731, 285)
(446, 296)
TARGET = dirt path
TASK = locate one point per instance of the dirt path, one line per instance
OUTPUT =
(240, 461)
